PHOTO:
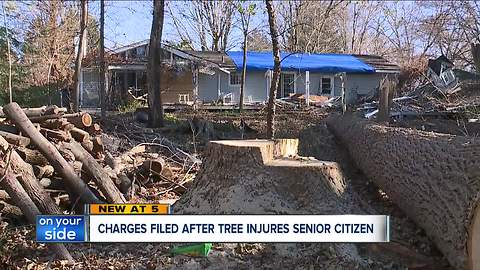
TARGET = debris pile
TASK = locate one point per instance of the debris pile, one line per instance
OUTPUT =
(428, 100)
(296, 100)
(54, 162)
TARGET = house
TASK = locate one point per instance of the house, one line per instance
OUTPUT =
(214, 77)
(448, 79)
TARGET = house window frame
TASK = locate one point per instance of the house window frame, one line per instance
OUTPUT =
(239, 74)
(332, 85)
(282, 90)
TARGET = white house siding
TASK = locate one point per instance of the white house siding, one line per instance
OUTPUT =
(361, 84)
(256, 85)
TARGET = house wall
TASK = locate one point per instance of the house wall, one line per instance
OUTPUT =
(89, 85)
(175, 83)
(256, 85)
(362, 85)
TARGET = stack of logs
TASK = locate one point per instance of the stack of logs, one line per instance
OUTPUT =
(44, 147)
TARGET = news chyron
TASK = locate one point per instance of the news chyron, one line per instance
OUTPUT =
(155, 223)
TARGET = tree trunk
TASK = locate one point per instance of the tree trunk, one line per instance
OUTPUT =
(32, 157)
(80, 135)
(27, 180)
(76, 185)
(102, 59)
(29, 209)
(432, 177)
(154, 69)
(15, 139)
(244, 71)
(383, 106)
(101, 178)
(257, 168)
(475, 49)
(276, 71)
(78, 61)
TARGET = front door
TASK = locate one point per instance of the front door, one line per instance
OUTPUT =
(287, 85)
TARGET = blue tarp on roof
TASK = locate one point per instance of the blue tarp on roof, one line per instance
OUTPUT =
(327, 63)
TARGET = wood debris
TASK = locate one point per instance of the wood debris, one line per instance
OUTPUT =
(61, 164)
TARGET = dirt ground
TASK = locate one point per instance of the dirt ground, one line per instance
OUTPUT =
(409, 248)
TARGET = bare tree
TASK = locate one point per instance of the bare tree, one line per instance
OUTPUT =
(276, 70)
(102, 59)
(259, 40)
(154, 62)
(9, 52)
(78, 60)
(304, 25)
(202, 22)
(246, 12)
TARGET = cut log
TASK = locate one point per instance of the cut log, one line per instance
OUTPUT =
(94, 129)
(153, 166)
(9, 128)
(32, 157)
(54, 109)
(80, 135)
(43, 171)
(88, 145)
(14, 139)
(66, 154)
(38, 119)
(124, 183)
(4, 195)
(97, 144)
(57, 135)
(75, 184)
(29, 111)
(57, 123)
(97, 150)
(27, 179)
(100, 177)
(35, 111)
(432, 177)
(81, 121)
(28, 207)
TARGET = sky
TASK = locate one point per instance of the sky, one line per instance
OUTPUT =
(130, 21)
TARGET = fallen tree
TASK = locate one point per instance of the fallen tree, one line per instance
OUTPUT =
(434, 178)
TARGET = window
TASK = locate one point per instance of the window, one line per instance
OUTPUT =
(447, 77)
(183, 98)
(235, 78)
(326, 86)
(287, 85)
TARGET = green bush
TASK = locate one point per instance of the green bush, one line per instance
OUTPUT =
(131, 106)
(34, 96)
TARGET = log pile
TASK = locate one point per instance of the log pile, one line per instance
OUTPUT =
(56, 162)
(46, 155)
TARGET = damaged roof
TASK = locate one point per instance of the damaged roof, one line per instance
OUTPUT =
(219, 58)
(379, 63)
(315, 62)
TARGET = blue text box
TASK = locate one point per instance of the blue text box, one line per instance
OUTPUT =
(60, 229)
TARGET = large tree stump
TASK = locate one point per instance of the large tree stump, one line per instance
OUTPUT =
(434, 178)
(76, 185)
(265, 177)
